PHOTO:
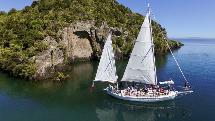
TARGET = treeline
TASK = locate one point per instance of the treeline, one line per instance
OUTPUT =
(22, 32)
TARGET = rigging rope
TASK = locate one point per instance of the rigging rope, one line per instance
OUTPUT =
(147, 54)
(176, 61)
(186, 81)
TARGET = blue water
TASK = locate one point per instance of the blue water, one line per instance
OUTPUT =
(22, 100)
(197, 59)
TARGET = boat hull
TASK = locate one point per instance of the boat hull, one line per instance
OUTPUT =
(170, 96)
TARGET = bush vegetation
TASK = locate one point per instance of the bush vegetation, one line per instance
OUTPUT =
(22, 31)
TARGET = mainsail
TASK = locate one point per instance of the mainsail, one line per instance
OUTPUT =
(107, 70)
(141, 66)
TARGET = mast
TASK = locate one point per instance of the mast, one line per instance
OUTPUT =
(141, 65)
(152, 38)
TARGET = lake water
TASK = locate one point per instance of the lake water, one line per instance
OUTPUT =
(74, 101)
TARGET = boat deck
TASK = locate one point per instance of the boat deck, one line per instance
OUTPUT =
(142, 97)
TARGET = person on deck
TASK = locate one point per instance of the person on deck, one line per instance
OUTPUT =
(186, 85)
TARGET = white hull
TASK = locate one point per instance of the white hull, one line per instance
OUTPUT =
(170, 96)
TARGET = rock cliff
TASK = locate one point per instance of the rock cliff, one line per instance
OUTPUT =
(79, 41)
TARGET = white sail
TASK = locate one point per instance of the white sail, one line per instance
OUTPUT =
(107, 70)
(141, 65)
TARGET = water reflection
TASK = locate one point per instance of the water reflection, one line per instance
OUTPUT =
(72, 99)
(161, 60)
(121, 111)
(81, 75)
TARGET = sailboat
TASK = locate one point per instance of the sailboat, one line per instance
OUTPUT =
(140, 78)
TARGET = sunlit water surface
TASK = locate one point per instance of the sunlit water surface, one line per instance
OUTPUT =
(73, 100)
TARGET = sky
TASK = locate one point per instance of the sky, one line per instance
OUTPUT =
(181, 18)
(6, 5)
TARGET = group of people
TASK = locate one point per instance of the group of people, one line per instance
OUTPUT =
(138, 89)
(146, 90)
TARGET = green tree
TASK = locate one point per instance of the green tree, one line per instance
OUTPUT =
(12, 11)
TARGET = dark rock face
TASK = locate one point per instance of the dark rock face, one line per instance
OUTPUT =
(79, 42)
